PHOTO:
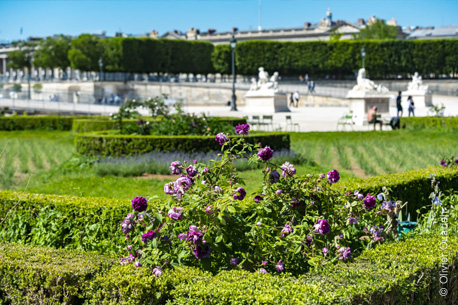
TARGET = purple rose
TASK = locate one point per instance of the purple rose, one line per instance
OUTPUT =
(191, 170)
(264, 263)
(309, 241)
(344, 253)
(258, 198)
(279, 266)
(369, 202)
(182, 236)
(157, 271)
(325, 250)
(123, 261)
(150, 235)
(139, 204)
(176, 167)
(235, 261)
(265, 153)
(456, 161)
(274, 177)
(388, 206)
(287, 169)
(242, 129)
(322, 227)
(221, 138)
(333, 176)
(323, 176)
(208, 210)
(278, 192)
(194, 235)
(443, 163)
(262, 270)
(201, 252)
(239, 194)
(137, 264)
(205, 169)
(360, 197)
(352, 220)
(175, 213)
(128, 224)
(286, 230)
(168, 188)
(218, 189)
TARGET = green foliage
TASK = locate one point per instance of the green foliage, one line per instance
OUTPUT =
(125, 145)
(36, 122)
(46, 276)
(37, 88)
(378, 30)
(112, 54)
(444, 123)
(52, 52)
(411, 186)
(85, 52)
(17, 87)
(396, 273)
(222, 59)
(340, 58)
(17, 60)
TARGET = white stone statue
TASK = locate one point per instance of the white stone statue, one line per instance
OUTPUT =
(264, 83)
(417, 84)
(366, 85)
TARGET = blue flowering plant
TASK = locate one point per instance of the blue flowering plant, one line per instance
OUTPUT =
(290, 224)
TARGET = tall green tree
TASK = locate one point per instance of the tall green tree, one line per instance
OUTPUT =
(377, 30)
(20, 58)
(52, 52)
(85, 52)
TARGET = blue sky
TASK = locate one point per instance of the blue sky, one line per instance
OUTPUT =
(73, 17)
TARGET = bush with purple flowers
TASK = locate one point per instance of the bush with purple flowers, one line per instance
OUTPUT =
(294, 219)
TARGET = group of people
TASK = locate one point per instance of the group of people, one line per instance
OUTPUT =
(410, 103)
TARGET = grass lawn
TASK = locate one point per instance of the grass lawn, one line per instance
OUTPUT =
(47, 157)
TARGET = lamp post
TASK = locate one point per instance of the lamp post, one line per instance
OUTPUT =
(234, 98)
(363, 54)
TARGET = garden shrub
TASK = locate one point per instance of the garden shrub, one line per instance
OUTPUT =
(411, 186)
(36, 122)
(103, 144)
(404, 272)
(447, 123)
(37, 275)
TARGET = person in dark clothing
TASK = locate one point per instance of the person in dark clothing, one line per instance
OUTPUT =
(398, 104)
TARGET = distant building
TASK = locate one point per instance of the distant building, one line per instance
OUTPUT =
(444, 32)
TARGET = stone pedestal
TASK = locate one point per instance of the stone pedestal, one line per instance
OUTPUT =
(266, 101)
(420, 98)
(363, 102)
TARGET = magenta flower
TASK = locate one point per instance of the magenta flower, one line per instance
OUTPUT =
(258, 198)
(194, 235)
(279, 192)
(369, 202)
(274, 177)
(239, 194)
(175, 213)
(360, 197)
(287, 169)
(201, 252)
(287, 229)
(168, 188)
(182, 183)
(333, 176)
(456, 161)
(150, 235)
(344, 253)
(157, 271)
(325, 250)
(128, 224)
(322, 227)
(191, 170)
(279, 266)
(262, 270)
(208, 210)
(235, 261)
(218, 189)
(176, 167)
(352, 220)
(205, 169)
(139, 204)
(137, 264)
(242, 129)
(309, 240)
(265, 153)
(221, 138)
(264, 263)
(443, 163)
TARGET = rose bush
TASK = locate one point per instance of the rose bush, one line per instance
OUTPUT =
(298, 221)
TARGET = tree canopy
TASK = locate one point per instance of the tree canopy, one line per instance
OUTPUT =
(52, 52)
(377, 30)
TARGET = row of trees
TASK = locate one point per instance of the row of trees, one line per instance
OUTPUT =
(319, 58)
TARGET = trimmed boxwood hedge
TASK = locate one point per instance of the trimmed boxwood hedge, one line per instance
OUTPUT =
(404, 272)
(103, 144)
(447, 123)
(412, 186)
(36, 122)
(89, 125)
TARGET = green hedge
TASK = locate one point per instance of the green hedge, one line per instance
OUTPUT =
(89, 125)
(90, 224)
(405, 272)
(124, 145)
(320, 58)
(447, 123)
(412, 186)
(36, 122)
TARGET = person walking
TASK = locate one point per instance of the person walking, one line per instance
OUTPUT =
(411, 105)
(297, 96)
(398, 104)
(291, 100)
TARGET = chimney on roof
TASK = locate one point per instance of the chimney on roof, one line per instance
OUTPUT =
(307, 25)
(153, 34)
(361, 21)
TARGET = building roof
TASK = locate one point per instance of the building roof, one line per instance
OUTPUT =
(442, 32)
